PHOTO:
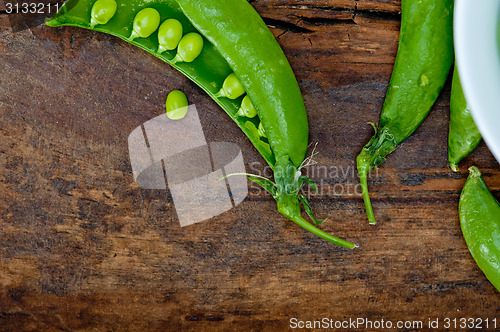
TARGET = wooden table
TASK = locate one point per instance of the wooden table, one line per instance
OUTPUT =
(82, 247)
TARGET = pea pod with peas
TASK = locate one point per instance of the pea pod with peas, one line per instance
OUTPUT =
(226, 48)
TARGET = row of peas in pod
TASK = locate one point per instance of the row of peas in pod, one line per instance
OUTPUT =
(171, 37)
(146, 22)
(232, 89)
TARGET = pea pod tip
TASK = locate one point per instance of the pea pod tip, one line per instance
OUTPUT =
(474, 172)
(454, 167)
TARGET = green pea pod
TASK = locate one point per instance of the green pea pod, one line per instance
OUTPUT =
(463, 136)
(480, 222)
(235, 40)
(423, 61)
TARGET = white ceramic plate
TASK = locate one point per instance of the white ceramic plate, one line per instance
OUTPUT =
(478, 60)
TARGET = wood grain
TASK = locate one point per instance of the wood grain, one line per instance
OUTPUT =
(83, 248)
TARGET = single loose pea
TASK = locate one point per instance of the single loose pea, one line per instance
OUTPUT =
(246, 108)
(169, 35)
(231, 88)
(261, 130)
(189, 48)
(176, 105)
(145, 23)
(102, 12)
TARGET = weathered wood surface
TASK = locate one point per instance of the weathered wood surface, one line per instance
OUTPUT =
(83, 248)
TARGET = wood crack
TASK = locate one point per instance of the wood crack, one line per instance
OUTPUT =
(327, 21)
(355, 11)
(378, 14)
(326, 15)
(287, 26)
(368, 14)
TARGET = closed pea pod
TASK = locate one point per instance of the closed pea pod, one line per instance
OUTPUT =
(463, 134)
(207, 55)
(102, 12)
(480, 222)
(423, 61)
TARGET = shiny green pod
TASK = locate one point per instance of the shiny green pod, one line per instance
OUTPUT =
(480, 222)
(235, 41)
(423, 62)
(463, 135)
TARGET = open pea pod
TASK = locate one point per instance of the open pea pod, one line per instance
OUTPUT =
(224, 43)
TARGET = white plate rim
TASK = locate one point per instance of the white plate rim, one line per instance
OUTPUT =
(478, 61)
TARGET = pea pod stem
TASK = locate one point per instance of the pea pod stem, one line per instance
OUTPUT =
(372, 155)
(288, 183)
(364, 167)
(288, 205)
(299, 220)
(287, 199)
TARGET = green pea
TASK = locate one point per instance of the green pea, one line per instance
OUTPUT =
(261, 130)
(176, 105)
(145, 23)
(189, 48)
(102, 12)
(169, 35)
(246, 108)
(231, 88)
